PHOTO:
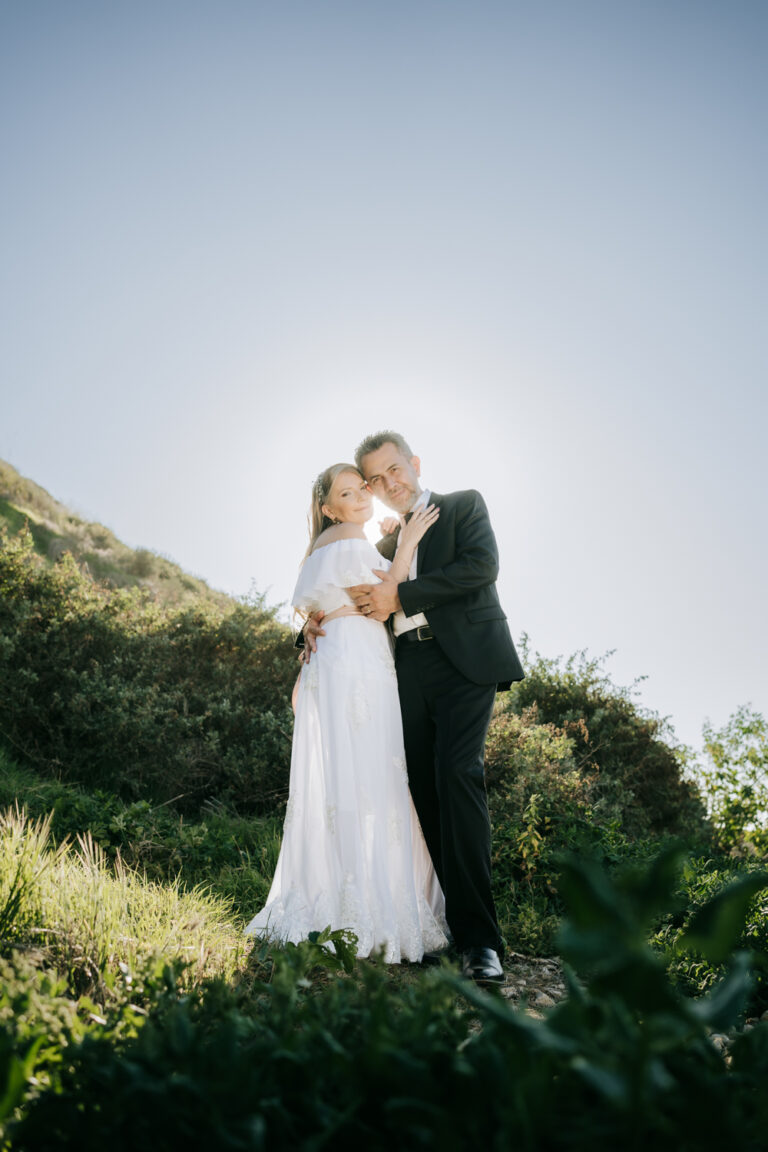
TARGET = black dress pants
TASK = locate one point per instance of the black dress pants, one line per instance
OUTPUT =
(445, 722)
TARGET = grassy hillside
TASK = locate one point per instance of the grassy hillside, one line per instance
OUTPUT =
(56, 530)
(144, 747)
(109, 688)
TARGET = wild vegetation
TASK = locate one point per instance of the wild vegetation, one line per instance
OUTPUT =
(306, 1048)
(111, 689)
(144, 752)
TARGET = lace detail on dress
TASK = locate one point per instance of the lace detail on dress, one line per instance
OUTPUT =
(309, 675)
(349, 577)
(387, 662)
(349, 903)
(358, 708)
(395, 827)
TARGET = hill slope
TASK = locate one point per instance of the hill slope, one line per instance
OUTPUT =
(55, 530)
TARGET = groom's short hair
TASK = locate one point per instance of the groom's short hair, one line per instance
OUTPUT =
(377, 440)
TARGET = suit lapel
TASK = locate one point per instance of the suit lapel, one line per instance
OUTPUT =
(423, 545)
(388, 545)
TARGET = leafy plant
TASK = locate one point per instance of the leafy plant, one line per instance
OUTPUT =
(634, 768)
(40, 1021)
(112, 690)
(545, 798)
(706, 884)
(734, 780)
(307, 1058)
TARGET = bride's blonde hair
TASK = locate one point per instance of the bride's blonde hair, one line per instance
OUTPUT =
(317, 519)
(321, 490)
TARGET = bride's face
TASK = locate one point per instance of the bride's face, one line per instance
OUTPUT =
(349, 499)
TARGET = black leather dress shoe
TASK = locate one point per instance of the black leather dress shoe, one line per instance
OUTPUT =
(483, 966)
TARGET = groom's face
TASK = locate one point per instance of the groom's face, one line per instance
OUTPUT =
(392, 477)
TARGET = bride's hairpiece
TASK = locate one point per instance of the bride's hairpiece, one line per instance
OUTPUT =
(318, 488)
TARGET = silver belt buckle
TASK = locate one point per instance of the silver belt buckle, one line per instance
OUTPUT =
(419, 631)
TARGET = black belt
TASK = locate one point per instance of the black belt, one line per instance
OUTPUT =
(423, 632)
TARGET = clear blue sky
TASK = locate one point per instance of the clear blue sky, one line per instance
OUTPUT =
(236, 237)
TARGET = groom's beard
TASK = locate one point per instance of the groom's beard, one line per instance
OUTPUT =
(405, 501)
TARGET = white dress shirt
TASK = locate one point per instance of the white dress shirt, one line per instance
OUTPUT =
(400, 622)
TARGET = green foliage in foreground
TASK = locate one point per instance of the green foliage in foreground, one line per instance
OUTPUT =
(40, 1020)
(303, 1060)
(705, 882)
(114, 691)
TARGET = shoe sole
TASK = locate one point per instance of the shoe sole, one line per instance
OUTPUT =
(487, 981)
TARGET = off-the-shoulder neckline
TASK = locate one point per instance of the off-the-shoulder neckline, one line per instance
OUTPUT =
(341, 540)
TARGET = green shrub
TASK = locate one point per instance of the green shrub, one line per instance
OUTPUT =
(546, 798)
(635, 769)
(111, 690)
(351, 1061)
(40, 1022)
(734, 780)
(703, 881)
(142, 564)
(573, 765)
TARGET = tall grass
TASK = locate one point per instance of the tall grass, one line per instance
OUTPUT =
(88, 915)
(24, 857)
(234, 856)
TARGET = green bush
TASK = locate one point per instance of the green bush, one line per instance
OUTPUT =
(703, 881)
(546, 798)
(111, 690)
(40, 1021)
(349, 1060)
(636, 772)
(734, 780)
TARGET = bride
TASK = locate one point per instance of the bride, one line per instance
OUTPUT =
(353, 854)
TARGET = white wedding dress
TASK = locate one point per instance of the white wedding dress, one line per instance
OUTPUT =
(353, 854)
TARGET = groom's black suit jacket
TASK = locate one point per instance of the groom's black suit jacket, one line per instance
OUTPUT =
(455, 586)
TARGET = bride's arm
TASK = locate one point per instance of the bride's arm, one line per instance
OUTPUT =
(380, 600)
(410, 534)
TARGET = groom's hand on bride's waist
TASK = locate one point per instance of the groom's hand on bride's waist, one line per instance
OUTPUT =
(312, 629)
(378, 601)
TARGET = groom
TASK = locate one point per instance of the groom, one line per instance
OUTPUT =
(452, 650)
